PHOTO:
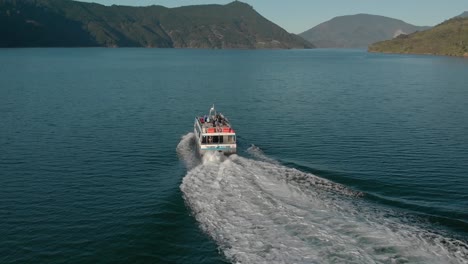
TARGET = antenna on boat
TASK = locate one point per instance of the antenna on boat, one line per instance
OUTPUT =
(212, 110)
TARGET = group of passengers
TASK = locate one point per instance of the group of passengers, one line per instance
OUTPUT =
(217, 121)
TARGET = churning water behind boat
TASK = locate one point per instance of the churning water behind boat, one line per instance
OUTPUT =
(262, 212)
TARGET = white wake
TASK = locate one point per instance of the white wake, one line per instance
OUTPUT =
(262, 212)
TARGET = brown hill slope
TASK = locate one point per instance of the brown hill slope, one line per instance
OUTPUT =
(449, 38)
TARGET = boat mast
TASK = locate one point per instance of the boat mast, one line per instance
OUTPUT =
(212, 110)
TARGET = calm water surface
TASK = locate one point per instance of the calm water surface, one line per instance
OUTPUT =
(344, 156)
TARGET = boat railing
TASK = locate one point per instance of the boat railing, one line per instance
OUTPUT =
(210, 130)
(208, 127)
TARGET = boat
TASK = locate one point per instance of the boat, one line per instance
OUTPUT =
(213, 132)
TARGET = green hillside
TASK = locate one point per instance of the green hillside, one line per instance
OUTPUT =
(449, 38)
(356, 31)
(66, 23)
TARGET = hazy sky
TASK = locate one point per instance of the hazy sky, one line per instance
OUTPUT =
(297, 16)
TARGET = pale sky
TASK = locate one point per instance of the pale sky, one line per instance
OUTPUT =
(297, 16)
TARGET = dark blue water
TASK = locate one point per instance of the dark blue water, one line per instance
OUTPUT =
(344, 156)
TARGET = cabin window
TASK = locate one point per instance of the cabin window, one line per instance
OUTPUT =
(231, 139)
(218, 139)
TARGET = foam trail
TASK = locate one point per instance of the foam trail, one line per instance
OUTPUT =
(186, 150)
(296, 177)
(262, 212)
(257, 153)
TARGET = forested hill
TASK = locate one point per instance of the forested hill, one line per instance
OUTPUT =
(448, 38)
(66, 23)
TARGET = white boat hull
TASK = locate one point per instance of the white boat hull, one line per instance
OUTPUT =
(224, 148)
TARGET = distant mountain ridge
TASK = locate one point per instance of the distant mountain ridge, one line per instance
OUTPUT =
(448, 38)
(66, 23)
(464, 14)
(357, 31)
